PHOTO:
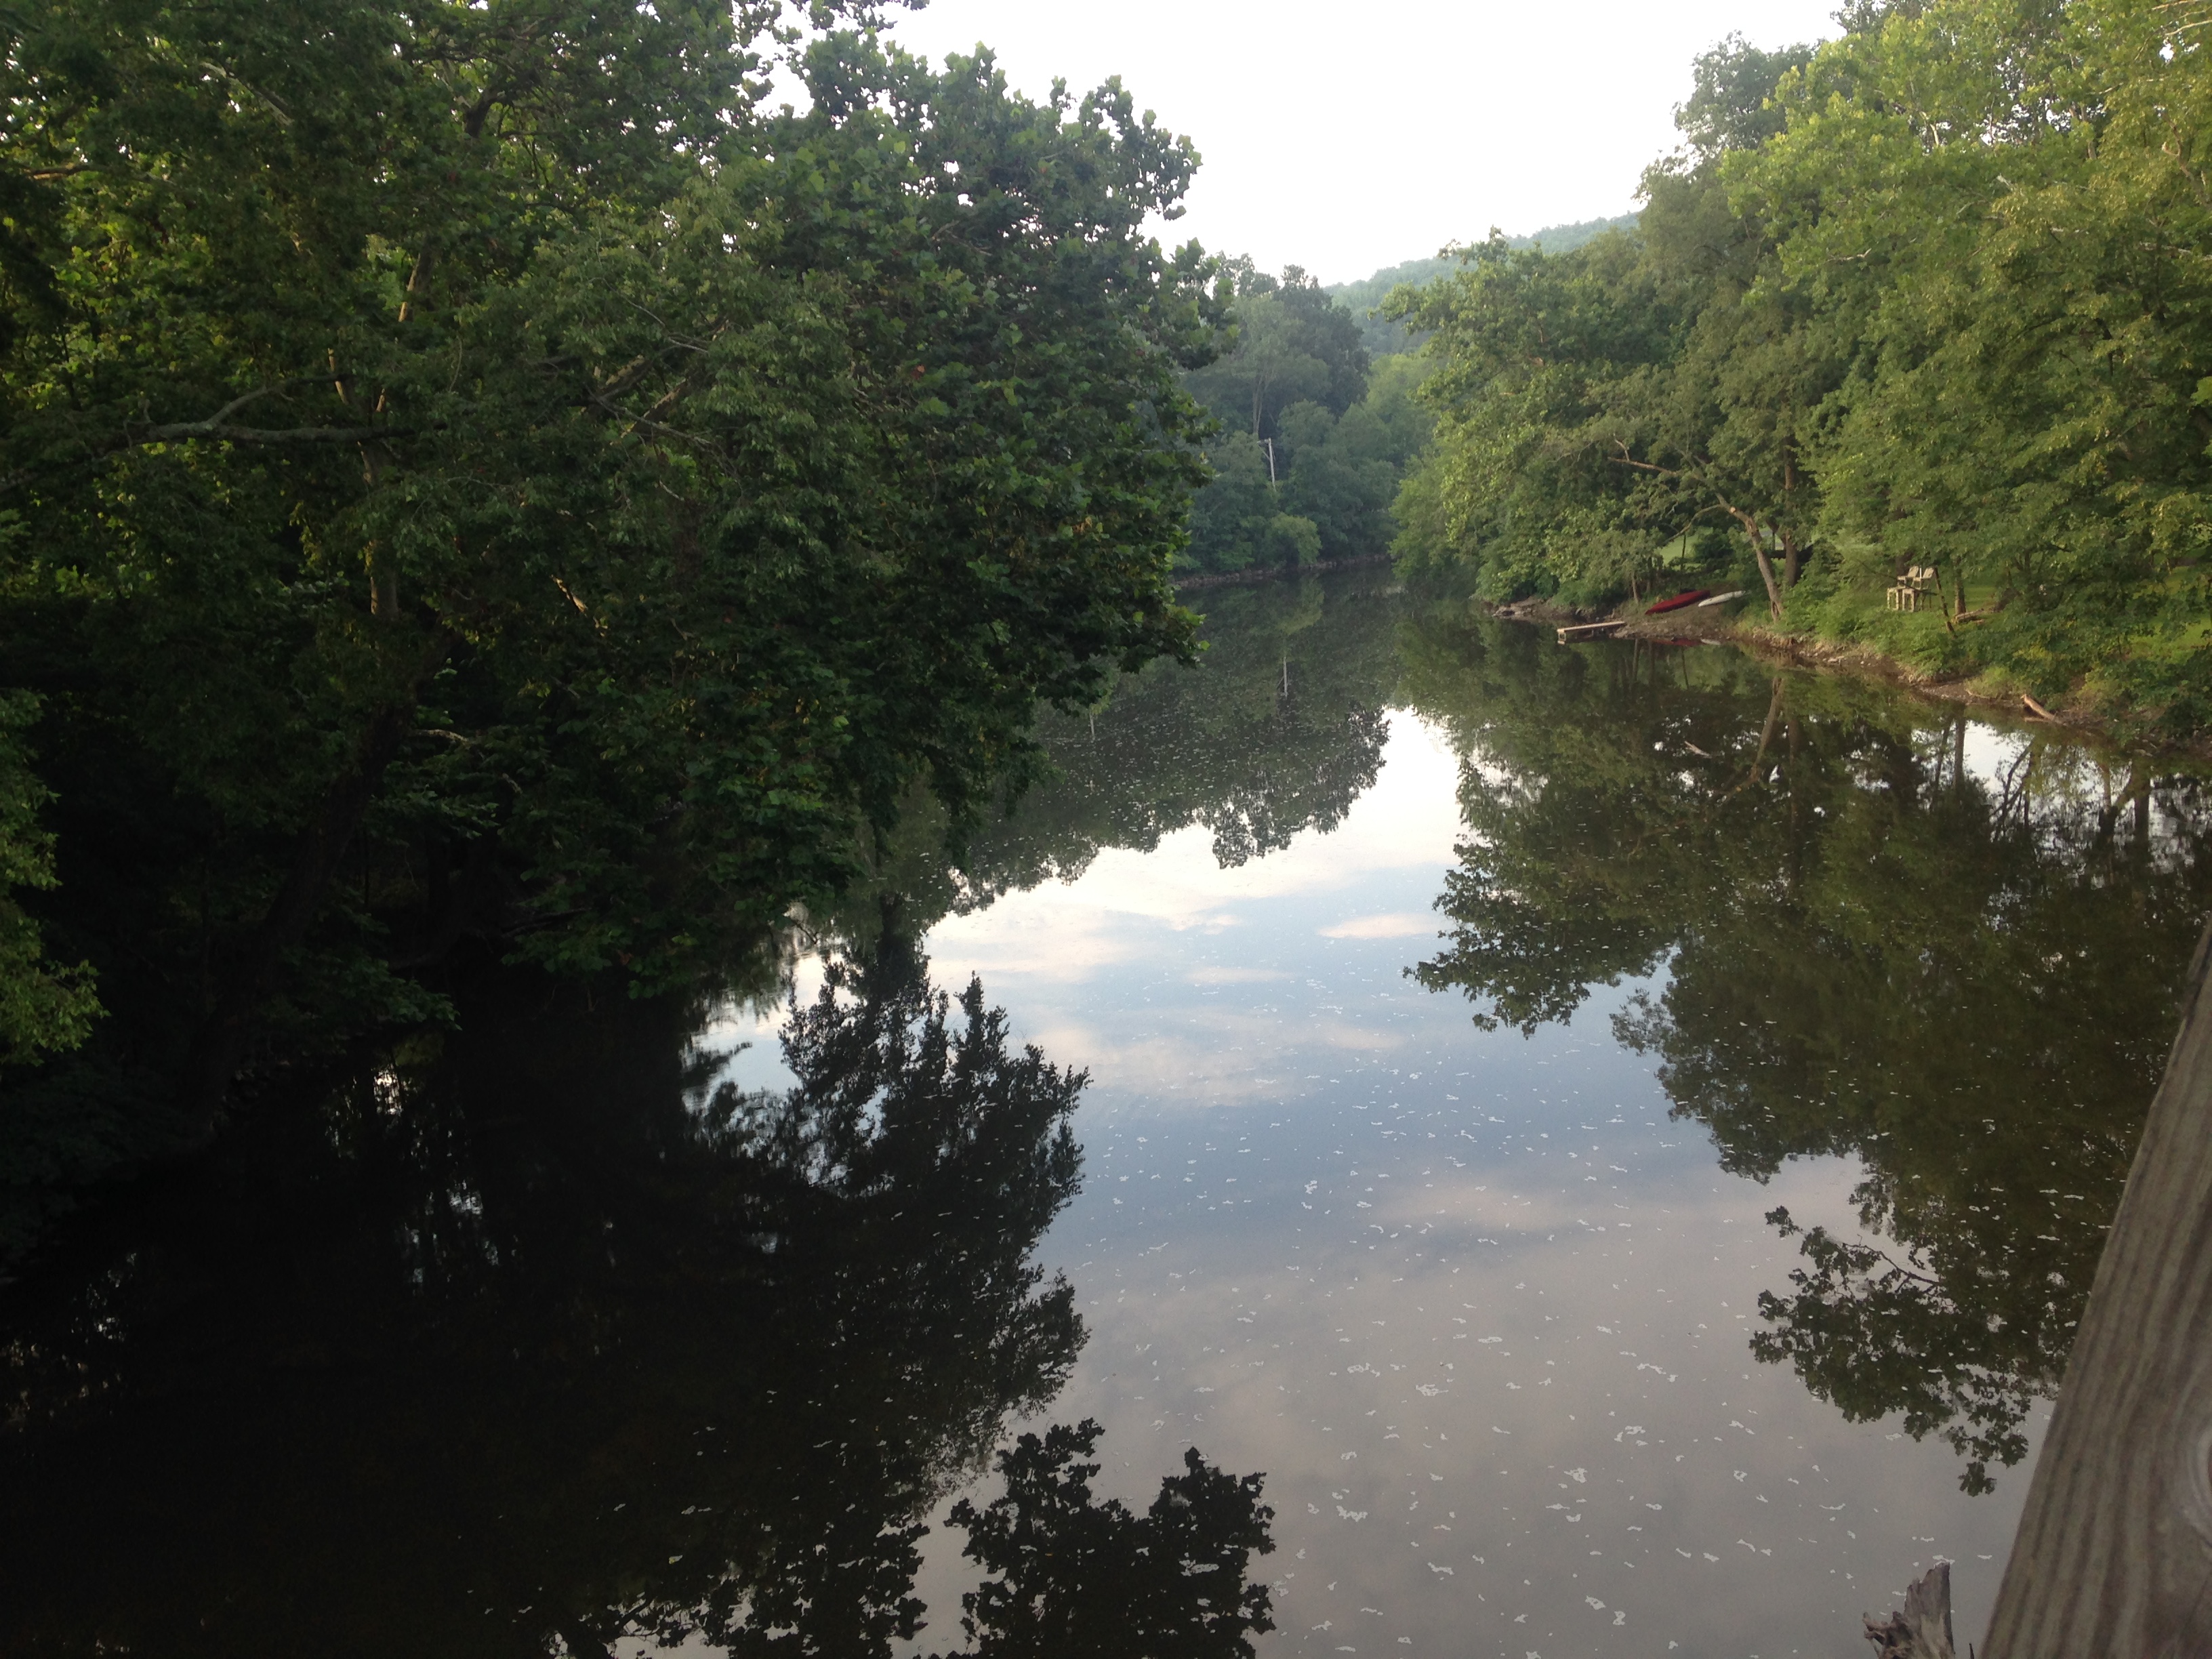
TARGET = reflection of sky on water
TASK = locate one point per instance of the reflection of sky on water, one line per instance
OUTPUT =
(1472, 1301)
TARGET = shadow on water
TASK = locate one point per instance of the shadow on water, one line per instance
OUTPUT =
(539, 1341)
(1873, 928)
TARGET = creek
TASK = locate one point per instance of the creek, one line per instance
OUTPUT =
(1620, 1136)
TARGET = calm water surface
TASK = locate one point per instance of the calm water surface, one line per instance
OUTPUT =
(1619, 1137)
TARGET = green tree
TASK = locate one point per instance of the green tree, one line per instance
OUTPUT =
(43, 1007)
(1326, 440)
(497, 484)
(1526, 486)
(1999, 202)
(1602, 405)
(1385, 339)
(1294, 344)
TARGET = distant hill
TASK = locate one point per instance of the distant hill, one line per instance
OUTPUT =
(1382, 338)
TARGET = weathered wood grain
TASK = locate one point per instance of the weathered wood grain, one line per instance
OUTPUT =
(1922, 1629)
(2113, 1557)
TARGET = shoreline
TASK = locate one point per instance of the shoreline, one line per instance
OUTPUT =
(1864, 661)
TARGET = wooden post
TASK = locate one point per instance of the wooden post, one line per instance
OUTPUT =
(1923, 1629)
(2113, 1557)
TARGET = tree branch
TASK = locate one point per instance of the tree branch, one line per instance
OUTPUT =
(217, 425)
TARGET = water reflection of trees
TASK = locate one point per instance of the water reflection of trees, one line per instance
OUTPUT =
(541, 1342)
(1964, 975)
(1278, 729)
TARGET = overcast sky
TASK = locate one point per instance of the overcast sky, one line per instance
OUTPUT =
(1345, 139)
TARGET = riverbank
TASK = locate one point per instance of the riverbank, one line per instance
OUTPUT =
(1741, 624)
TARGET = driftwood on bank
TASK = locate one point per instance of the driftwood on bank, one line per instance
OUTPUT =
(1922, 1628)
(2113, 1557)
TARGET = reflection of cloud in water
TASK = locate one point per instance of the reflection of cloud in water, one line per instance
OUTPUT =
(1166, 975)
(1117, 911)
(1403, 924)
(1459, 1432)
(1498, 1379)
(1217, 1057)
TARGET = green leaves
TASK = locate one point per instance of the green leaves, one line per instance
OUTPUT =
(681, 482)
(1929, 296)
(44, 1008)
(1314, 438)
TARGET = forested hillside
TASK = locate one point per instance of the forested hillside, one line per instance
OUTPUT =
(1382, 335)
(1314, 433)
(1319, 419)
(482, 486)
(1932, 295)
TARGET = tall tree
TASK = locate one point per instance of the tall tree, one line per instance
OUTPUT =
(494, 480)
(2003, 202)
(1601, 405)
(1313, 445)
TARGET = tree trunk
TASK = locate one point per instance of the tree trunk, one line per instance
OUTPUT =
(2114, 1553)
(1765, 572)
(1789, 559)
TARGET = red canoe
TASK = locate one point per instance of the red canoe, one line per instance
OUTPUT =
(1680, 600)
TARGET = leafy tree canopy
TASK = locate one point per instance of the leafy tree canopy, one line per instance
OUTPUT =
(1313, 439)
(1928, 298)
(474, 479)
(1382, 338)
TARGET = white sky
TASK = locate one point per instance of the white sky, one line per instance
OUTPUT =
(1348, 144)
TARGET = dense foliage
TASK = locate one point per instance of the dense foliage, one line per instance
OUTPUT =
(1932, 295)
(1313, 438)
(1384, 336)
(478, 479)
